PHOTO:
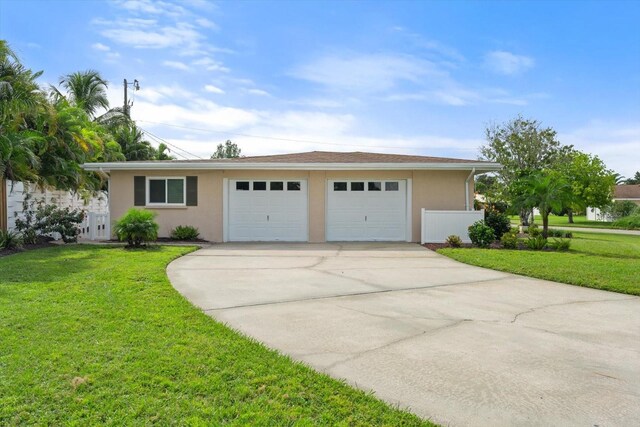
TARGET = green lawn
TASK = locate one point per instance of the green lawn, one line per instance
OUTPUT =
(603, 261)
(92, 335)
(563, 221)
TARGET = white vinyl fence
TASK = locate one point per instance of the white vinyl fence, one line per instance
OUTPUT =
(595, 214)
(96, 222)
(438, 225)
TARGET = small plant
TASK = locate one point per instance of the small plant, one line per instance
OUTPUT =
(509, 240)
(534, 230)
(481, 234)
(136, 227)
(10, 239)
(454, 241)
(631, 222)
(561, 244)
(536, 243)
(185, 232)
(499, 222)
(64, 221)
(555, 233)
(568, 235)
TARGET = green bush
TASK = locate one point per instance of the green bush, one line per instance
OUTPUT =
(499, 222)
(10, 239)
(185, 232)
(534, 230)
(555, 233)
(481, 234)
(561, 244)
(454, 241)
(39, 219)
(509, 240)
(568, 235)
(621, 208)
(136, 227)
(631, 222)
(536, 243)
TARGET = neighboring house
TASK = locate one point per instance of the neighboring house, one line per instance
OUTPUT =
(314, 196)
(630, 192)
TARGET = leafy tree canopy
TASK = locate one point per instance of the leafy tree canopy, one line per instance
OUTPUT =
(228, 150)
(634, 180)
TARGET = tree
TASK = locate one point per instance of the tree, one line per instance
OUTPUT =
(132, 142)
(546, 190)
(590, 180)
(161, 152)
(227, 151)
(86, 90)
(635, 180)
(522, 147)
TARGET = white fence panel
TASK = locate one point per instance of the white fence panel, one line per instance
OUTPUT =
(96, 222)
(438, 225)
(595, 214)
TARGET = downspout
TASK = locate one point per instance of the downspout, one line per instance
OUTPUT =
(466, 190)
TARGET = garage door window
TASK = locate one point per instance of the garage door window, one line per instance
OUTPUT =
(357, 186)
(276, 186)
(339, 186)
(374, 186)
(259, 185)
(166, 191)
(242, 185)
(390, 186)
(293, 186)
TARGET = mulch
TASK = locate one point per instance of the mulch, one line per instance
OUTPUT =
(43, 242)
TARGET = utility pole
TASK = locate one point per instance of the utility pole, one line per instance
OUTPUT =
(127, 103)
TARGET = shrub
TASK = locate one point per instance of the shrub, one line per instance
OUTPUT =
(568, 235)
(534, 230)
(499, 222)
(555, 233)
(184, 232)
(621, 208)
(561, 244)
(10, 239)
(454, 241)
(536, 243)
(509, 240)
(629, 222)
(481, 234)
(136, 227)
(40, 219)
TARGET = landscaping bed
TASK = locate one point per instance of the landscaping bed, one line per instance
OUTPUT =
(43, 242)
(95, 335)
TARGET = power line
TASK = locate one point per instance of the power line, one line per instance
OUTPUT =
(276, 138)
(157, 141)
(170, 144)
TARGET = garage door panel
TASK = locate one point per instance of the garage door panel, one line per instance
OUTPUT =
(273, 214)
(377, 213)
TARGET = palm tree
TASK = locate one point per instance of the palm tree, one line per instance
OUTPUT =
(132, 142)
(161, 152)
(86, 90)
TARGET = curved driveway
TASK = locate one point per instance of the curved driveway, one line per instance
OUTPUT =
(458, 344)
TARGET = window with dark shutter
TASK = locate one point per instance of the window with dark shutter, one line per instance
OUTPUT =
(139, 190)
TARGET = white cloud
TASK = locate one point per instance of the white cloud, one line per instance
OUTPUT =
(101, 47)
(617, 144)
(176, 64)
(211, 64)
(503, 62)
(205, 23)
(366, 73)
(213, 89)
(257, 92)
(151, 7)
(148, 34)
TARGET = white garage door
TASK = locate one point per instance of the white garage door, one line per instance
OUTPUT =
(267, 210)
(367, 210)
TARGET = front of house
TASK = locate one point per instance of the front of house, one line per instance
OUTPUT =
(302, 197)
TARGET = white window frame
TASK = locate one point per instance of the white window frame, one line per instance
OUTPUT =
(166, 190)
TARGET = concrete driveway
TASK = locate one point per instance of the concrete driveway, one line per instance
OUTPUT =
(457, 344)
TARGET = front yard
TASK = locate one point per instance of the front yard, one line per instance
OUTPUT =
(602, 261)
(563, 221)
(93, 335)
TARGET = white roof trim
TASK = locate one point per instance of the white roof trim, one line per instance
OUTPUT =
(107, 167)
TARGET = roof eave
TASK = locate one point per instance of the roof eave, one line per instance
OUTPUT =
(108, 167)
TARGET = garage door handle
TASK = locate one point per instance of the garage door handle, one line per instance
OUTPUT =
(267, 217)
(365, 218)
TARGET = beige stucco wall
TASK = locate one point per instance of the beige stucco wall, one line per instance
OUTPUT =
(437, 190)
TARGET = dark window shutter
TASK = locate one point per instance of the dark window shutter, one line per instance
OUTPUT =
(139, 191)
(192, 191)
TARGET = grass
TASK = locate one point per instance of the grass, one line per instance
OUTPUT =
(602, 261)
(563, 221)
(94, 335)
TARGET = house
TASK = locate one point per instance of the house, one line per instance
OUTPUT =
(314, 196)
(622, 192)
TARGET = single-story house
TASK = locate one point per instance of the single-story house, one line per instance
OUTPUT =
(621, 193)
(314, 196)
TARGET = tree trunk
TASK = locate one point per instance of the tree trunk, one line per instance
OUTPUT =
(545, 224)
(570, 215)
(524, 217)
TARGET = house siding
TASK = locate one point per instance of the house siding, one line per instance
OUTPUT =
(434, 190)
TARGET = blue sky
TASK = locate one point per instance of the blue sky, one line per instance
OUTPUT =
(398, 76)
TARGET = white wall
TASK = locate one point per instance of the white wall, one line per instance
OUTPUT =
(595, 214)
(438, 225)
(16, 191)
